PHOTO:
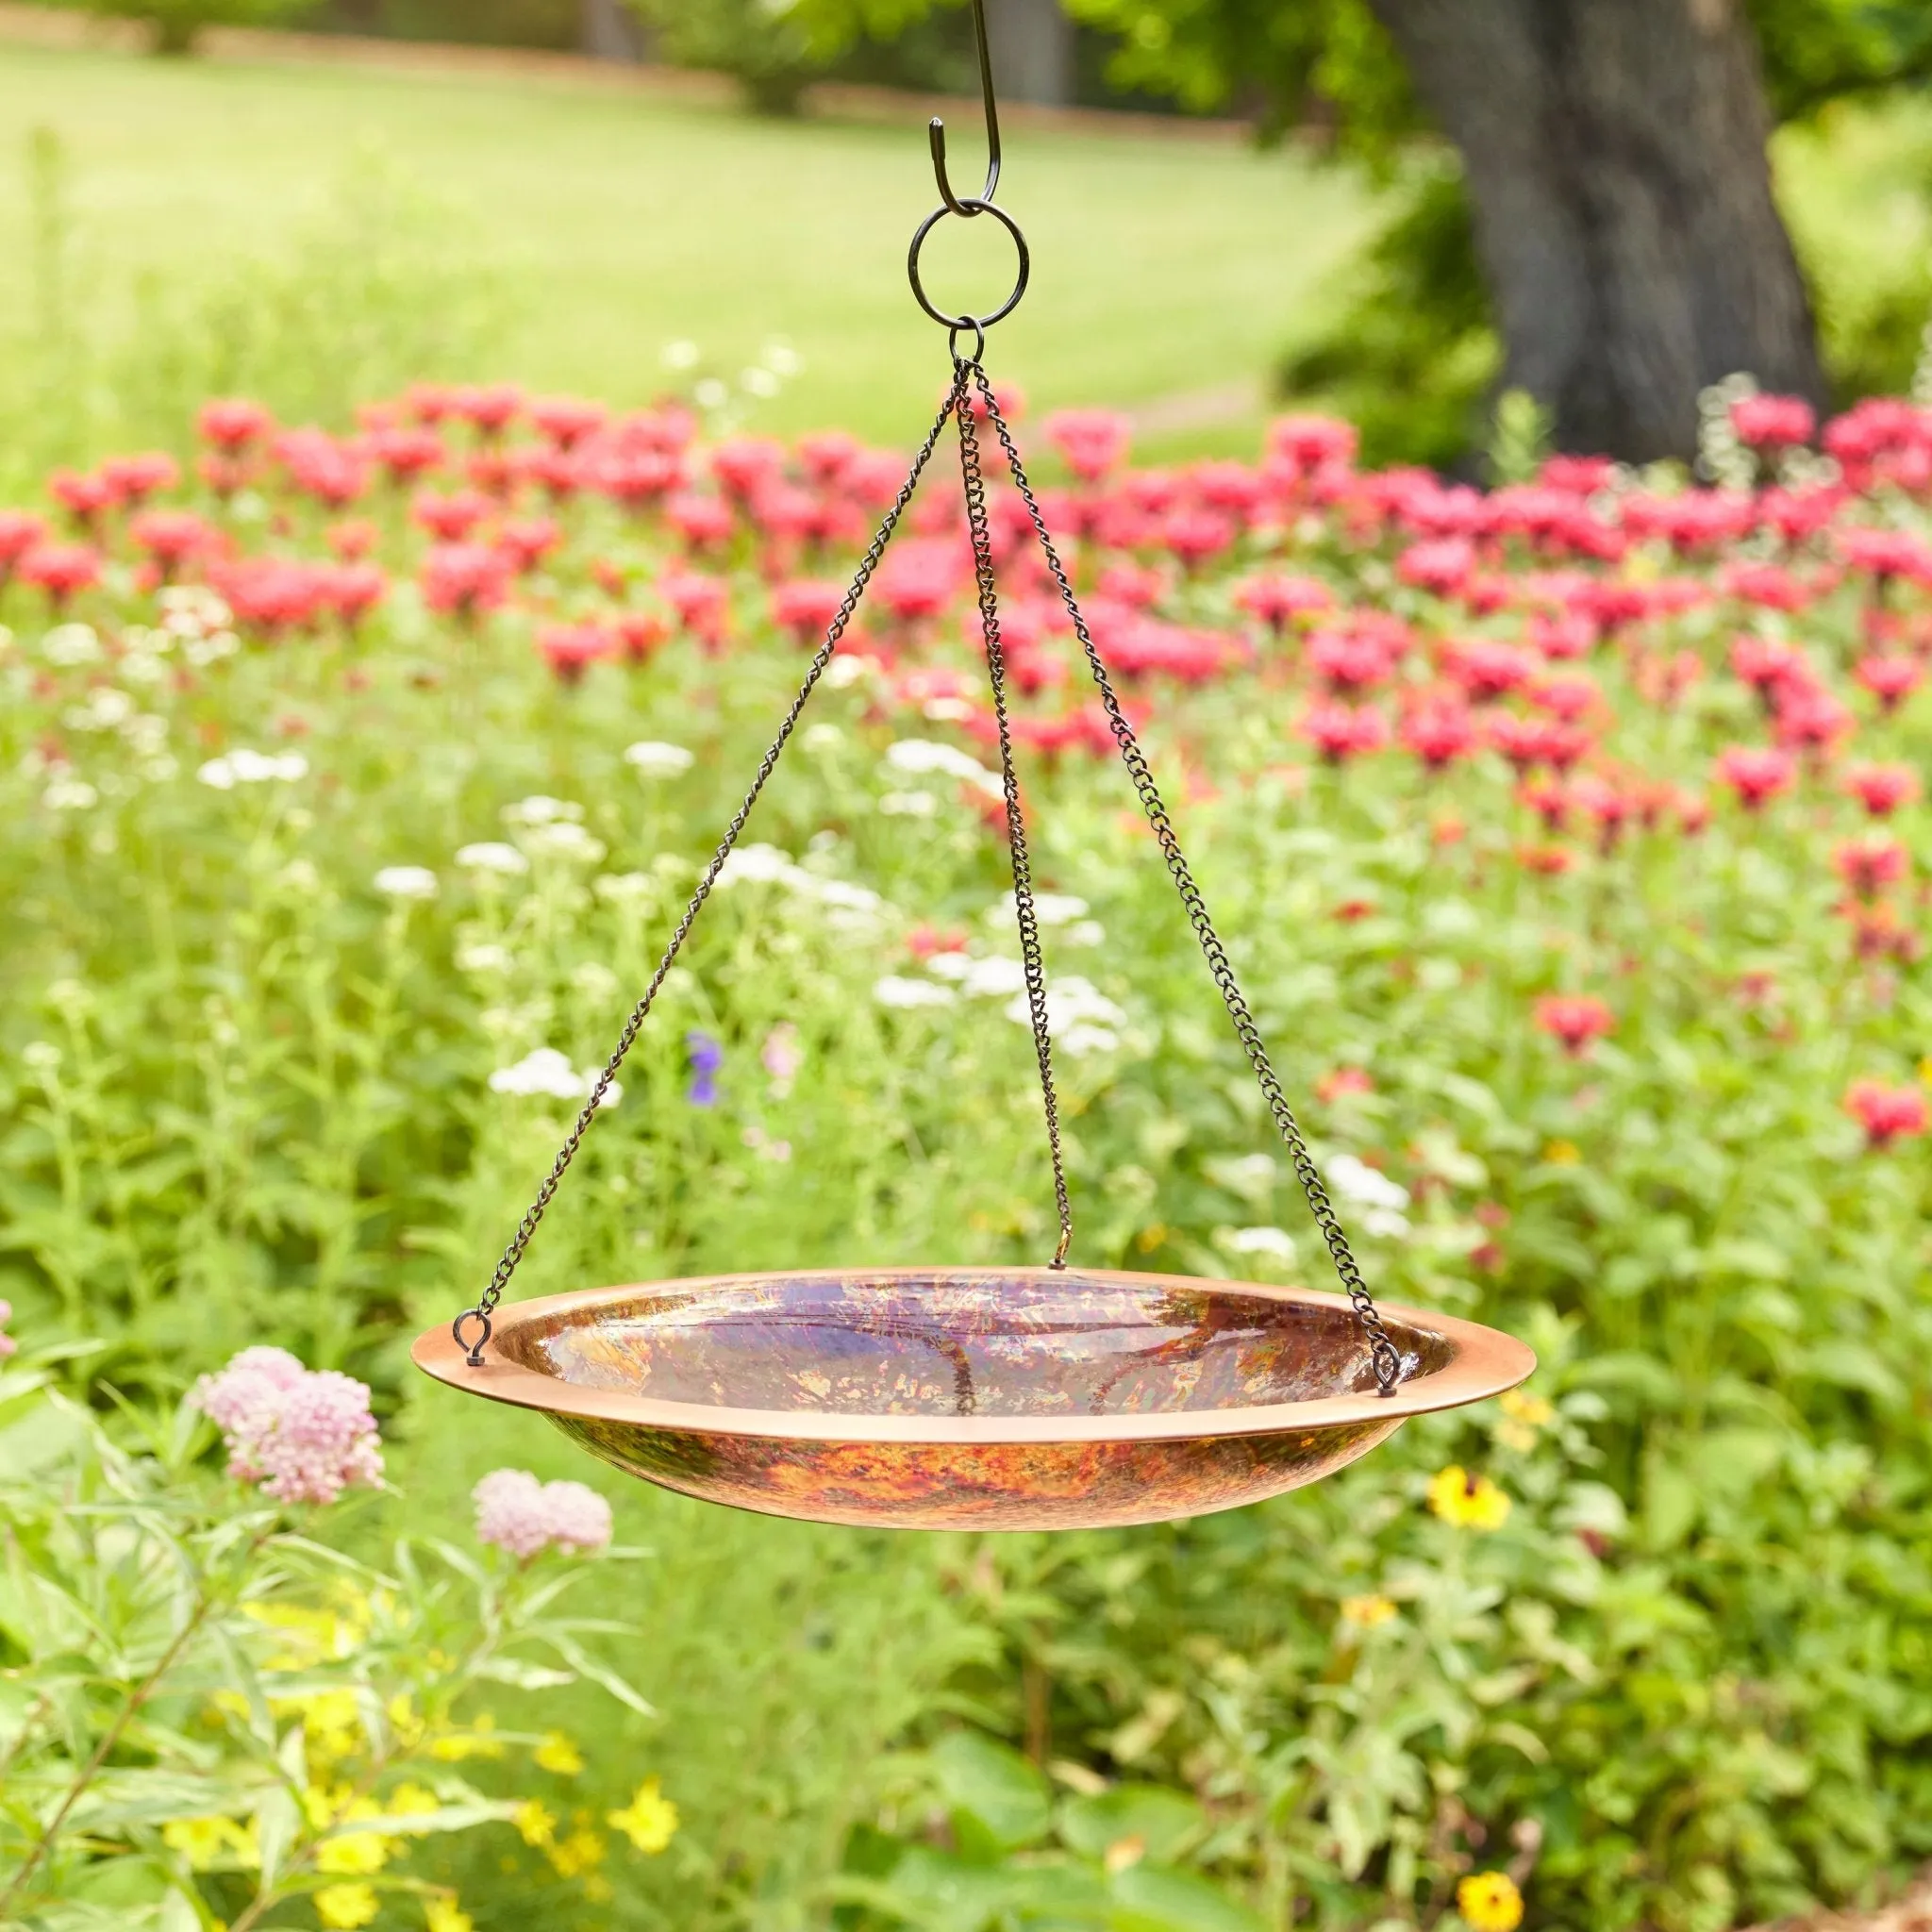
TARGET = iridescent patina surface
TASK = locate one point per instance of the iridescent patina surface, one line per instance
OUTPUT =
(961, 1398)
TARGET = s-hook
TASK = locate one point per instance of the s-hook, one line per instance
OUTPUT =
(971, 205)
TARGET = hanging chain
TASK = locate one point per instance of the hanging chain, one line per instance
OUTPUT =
(974, 480)
(1387, 1358)
(527, 1226)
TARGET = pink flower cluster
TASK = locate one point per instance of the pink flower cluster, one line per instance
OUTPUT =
(8, 1344)
(303, 1435)
(517, 1513)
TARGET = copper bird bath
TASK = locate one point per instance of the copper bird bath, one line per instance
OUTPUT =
(963, 1398)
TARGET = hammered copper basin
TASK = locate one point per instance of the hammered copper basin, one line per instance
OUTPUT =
(965, 1398)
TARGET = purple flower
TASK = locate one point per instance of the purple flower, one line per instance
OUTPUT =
(706, 1056)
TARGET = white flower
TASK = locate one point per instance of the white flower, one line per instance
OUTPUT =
(406, 882)
(908, 805)
(594, 980)
(72, 644)
(819, 739)
(203, 651)
(995, 977)
(300, 876)
(710, 393)
(762, 864)
(1250, 1175)
(840, 893)
(625, 887)
(1078, 1042)
(564, 839)
(680, 354)
(193, 610)
(847, 669)
(492, 857)
(1385, 1221)
(1353, 1180)
(1276, 1242)
(244, 767)
(145, 733)
(70, 794)
(104, 708)
(43, 1055)
(1084, 932)
(654, 759)
(483, 956)
(897, 991)
(946, 710)
(159, 770)
(546, 1072)
(1070, 1003)
(1050, 908)
(540, 810)
(922, 756)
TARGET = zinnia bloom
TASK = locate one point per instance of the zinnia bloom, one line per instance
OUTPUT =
(1887, 1114)
(1574, 1019)
(1469, 1501)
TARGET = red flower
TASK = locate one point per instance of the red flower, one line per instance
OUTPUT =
(528, 541)
(135, 478)
(491, 408)
(352, 539)
(703, 522)
(805, 607)
(20, 531)
(1331, 1087)
(171, 537)
(1275, 600)
(1882, 789)
(449, 519)
(1574, 1019)
(1772, 422)
(571, 649)
(1886, 553)
(566, 421)
(273, 593)
(1890, 680)
(1312, 442)
(464, 577)
(83, 496)
(1551, 860)
(1443, 565)
(1093, 442)
(1486, 669)
(1887, 1114)
(407, 453)
(355, 588)
(1351, 660)
(232, 424)
(703, 603)
(1195, 534)
(1340, 732)
(1756, 772)
(59, 569)
(747, 464)
(1439, 731)
(1869, 861)
(639, 633)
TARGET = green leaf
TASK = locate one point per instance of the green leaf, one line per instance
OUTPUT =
(1148, 1898)
(994, 1784)
(1163, 1822)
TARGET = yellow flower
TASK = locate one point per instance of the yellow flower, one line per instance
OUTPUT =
(1925, 1069)
(1490, 1902)
(536, 1825)
(409, 1800)
(404, 1722)
(1365, 1612)
(478, 1741)
(1521, 1406)
(583, 1851)
(1562, 1154)
(206, 1842)
(1151, 1237)
(556, 1753)
(650, 1820)
(345, 1908)
(1470, 1501)
(331, 1720)
(446, 1915)
(355, 1853)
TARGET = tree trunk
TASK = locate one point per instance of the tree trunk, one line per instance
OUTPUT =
(608, 30)
(1032, 45)
(1615, 156)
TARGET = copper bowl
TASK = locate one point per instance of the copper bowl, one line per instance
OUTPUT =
(971, 1398)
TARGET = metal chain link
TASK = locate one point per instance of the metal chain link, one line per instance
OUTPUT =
(527, 1226)
(1383, 1352)
(975, 481)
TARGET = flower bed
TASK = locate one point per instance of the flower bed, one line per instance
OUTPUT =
(1570, 842)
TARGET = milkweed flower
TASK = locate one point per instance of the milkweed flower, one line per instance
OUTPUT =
(1468, 1501)
(517, 1513)
(1489, 1901)
(303, 1435)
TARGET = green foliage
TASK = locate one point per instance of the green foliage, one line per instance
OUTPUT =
(761, 46)
(208, 1713)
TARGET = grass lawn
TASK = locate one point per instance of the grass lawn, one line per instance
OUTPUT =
(620, 221)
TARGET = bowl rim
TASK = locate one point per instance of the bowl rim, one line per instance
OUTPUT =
(1482, 1362)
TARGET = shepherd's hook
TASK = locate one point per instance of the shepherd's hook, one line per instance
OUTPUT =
(971, 205)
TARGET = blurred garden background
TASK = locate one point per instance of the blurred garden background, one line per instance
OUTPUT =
(1494, 449)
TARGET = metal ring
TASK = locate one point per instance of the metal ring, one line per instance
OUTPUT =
(474, 1356)
(971, 205)
(978, 330)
